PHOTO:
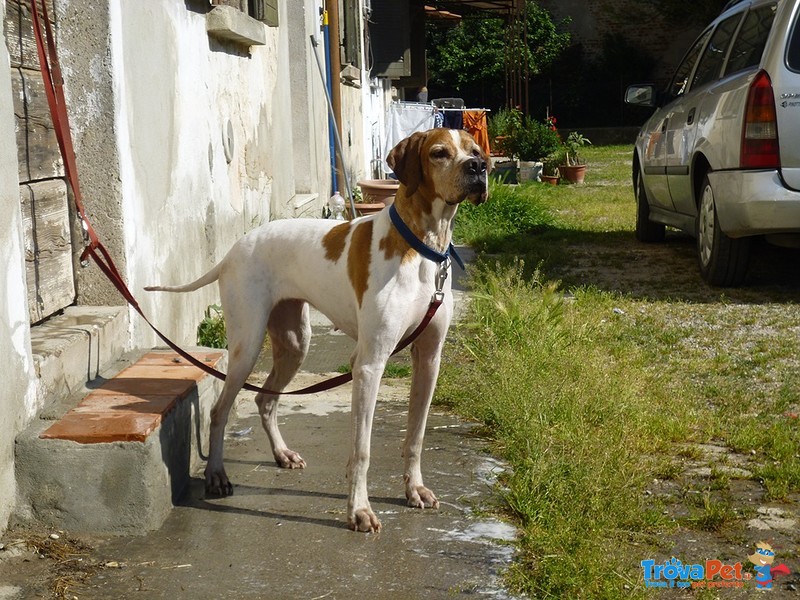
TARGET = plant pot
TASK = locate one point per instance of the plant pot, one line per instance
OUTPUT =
(529, 171)
(550, 179)
(367, 208)
(378, 191)
(572, 173)
(505, 171)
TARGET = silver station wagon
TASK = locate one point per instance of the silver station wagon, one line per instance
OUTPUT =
(720, 157)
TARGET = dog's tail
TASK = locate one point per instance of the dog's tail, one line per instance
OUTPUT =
(203, 281)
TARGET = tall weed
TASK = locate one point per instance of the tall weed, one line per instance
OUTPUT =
(531, 369)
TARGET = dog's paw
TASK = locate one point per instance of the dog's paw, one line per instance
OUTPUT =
(289, 459)
(421, 497)
(364, 520)
(218, 484)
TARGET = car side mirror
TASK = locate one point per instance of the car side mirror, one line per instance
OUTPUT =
(642, 95)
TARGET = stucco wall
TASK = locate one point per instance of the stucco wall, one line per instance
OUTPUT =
(17, 393)
(152, 143)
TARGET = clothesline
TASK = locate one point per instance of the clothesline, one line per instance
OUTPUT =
(404, 118)
(428, 106)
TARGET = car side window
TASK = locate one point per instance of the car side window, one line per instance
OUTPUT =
(710, 66)
(680, 81)
(752, 38)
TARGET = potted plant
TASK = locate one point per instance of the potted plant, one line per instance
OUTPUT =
(372, 195)
(531, 143)
(502, 126)
(574, 167)
(550, 173)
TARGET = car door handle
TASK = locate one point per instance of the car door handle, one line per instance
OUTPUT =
(690, 117)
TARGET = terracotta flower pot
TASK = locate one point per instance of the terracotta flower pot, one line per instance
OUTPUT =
(550, 179)
(378, 191)
(573, 173)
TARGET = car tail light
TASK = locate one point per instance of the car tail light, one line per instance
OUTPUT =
(760, 131)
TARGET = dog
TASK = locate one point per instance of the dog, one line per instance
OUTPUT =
(371, 283)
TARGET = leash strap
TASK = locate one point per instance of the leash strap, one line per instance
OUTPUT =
(54, 90)
(420, 246)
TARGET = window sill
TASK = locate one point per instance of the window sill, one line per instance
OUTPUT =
(231, 24)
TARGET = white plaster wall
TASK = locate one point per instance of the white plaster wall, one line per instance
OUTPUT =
(176, 90)
(17, 393)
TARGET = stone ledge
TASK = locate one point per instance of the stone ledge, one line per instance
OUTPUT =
(131, 405)
(231, 24)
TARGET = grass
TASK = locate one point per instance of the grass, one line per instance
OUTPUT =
(596, 369)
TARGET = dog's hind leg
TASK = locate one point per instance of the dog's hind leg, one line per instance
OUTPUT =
(245, 327)
(290, 334)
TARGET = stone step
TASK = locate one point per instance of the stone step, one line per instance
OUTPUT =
(122, 454)
(75, 347)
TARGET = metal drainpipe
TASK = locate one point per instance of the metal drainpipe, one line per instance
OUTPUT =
(336, 68)
(329, 84)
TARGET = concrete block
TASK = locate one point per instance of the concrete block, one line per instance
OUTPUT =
(114, 488)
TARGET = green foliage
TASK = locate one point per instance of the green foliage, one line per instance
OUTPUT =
(211, 330)
(503, 124)
(534, 140)
(473, 53)
(510, 211)
(539, 374)
(575, 142)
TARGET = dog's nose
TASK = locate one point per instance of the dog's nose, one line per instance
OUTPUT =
(476, 166)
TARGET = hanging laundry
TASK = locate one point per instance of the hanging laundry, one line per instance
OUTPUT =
(403, 119)
(454, 119)
(475, 123)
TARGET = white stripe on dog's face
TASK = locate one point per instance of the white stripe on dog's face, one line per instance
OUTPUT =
(456, 166)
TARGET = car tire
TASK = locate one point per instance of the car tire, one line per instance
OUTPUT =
(723, 260)
(646, 230)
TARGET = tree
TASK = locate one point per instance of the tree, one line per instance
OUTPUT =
(469, 59)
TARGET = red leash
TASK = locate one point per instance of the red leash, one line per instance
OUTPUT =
(54, 89)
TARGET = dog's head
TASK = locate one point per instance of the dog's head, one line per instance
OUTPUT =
(444, 164)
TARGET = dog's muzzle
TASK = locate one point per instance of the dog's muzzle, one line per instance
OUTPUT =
(476, 173)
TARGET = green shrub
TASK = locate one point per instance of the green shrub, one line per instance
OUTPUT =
(510, 212)
(211, 330)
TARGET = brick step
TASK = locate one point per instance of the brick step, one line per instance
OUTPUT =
(117, 460)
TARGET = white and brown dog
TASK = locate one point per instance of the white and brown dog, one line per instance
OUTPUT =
(369, 281)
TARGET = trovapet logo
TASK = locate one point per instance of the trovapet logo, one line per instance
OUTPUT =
(714, 573)
(710, 574)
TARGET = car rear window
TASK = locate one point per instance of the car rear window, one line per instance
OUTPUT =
(752, 38)
(710, 65)
(793, 52)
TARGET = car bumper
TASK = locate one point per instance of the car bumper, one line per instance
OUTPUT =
(754, 203)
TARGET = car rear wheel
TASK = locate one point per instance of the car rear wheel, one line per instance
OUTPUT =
(723, 260)
(646, 230)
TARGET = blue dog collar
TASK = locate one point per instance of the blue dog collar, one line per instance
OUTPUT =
(418, 245)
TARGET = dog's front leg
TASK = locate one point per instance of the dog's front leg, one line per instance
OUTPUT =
(425, 357)
(366, 381)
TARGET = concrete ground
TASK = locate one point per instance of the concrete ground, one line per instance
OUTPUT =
(283, 534)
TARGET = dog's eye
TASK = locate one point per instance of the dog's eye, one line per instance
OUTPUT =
(440, 153)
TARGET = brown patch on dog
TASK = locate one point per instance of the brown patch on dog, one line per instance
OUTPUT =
(358, 258)
(394, 245)
(334, 241)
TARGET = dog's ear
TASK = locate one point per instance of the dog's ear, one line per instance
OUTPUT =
(405, 159)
